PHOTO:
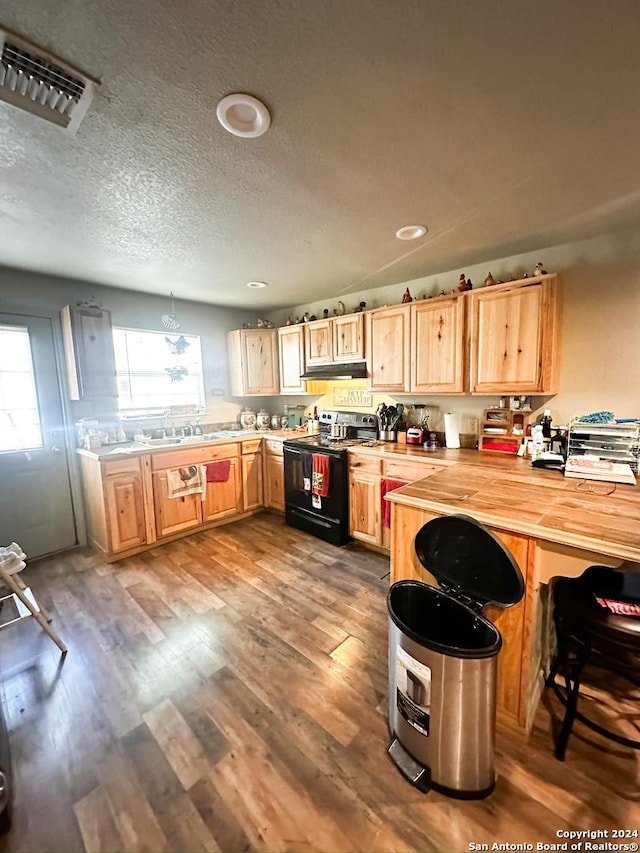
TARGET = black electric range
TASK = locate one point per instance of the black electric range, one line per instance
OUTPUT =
(324, 511)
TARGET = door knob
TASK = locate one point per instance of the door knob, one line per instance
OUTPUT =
(56, 449)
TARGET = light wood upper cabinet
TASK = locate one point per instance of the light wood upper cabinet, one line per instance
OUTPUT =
(89, 354)
(291, 355)
(348, 338)
(388, 348)
(438, 363)
(318, 342)
(514, 337)
(253, 358)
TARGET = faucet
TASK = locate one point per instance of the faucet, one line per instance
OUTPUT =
(168, 421)
(188, 430)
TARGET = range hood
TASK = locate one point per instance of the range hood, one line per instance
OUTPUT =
(350, 370)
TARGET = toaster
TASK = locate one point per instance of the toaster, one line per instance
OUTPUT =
(415, 435)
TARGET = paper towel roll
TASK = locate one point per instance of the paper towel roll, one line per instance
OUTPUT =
(451, 430)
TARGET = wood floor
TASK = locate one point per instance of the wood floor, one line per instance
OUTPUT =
(228, 692)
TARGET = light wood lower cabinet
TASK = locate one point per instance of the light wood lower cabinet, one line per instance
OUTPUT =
(365, 521)
(273, 475)
(127, 501)
(118, 503)
(252, 489)
(366, 474)
(174, 514)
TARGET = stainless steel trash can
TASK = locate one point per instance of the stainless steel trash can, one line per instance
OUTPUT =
(443, 658)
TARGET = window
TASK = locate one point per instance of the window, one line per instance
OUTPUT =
(19, 416)
(156, 371)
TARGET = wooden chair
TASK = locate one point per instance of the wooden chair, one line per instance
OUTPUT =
(26, 604)
(597, 620)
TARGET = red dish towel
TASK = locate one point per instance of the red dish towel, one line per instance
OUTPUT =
(218, 472)
(388, 486)
(320, 474)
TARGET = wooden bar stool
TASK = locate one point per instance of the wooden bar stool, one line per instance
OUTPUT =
(596, 625)
(26, 605)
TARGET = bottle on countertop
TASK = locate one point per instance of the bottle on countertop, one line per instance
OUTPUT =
(197, 429)
(546, 423)
(537, 444)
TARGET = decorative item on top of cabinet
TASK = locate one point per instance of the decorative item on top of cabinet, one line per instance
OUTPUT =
(407, 297)
(291, 356)
(89, 354)
(439, 364)
(388, 348)
(253, 359)
(514, 333)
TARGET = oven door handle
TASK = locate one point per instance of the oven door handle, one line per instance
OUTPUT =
(292, 450)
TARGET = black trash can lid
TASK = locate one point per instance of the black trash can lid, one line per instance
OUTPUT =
(466, 558)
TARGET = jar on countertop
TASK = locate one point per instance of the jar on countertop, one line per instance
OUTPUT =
(248, 419)
(275, 421)
(263, 419)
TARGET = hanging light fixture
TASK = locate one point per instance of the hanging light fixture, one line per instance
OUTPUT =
(169, 320)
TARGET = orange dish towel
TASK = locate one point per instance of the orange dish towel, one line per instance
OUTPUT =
(388, 486)
(218, 472)
(320, 474)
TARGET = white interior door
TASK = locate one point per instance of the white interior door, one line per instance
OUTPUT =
(36, 508)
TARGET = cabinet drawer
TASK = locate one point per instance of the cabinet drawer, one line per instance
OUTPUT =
(251, 446)
(409, 471)
(121, 466)
(273, 447)
(365, 464)
(193, 456)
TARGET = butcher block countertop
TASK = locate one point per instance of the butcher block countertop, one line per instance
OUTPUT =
(506, 492)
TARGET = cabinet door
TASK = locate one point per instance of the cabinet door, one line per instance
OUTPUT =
(251, 481)
(507, 340)
(253, 361)
(318, 342)
(348, 338)
(365, 521)
(437, 346)
(274, 481)
(291, 354)
(514, 625)
(89, 354)
(388, 348)
(174, 514)
(223, 499)
(124, 499)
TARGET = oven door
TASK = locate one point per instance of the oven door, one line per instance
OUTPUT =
(320, 515)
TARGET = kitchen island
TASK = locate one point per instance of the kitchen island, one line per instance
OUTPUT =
(553, 526)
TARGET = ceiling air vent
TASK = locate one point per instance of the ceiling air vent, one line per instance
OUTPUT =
(42, 84)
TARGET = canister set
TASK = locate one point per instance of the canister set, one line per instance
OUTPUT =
(263, 420)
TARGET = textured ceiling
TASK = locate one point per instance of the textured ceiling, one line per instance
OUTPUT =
(503, 126)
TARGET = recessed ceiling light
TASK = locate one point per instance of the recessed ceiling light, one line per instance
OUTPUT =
(257, 285)
(411, 232)
(243, 115)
